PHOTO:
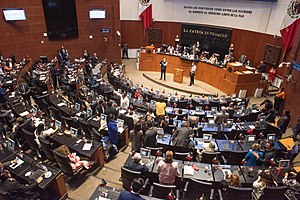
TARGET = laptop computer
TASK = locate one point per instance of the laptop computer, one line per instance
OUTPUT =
(152, 103)
(233, 96)
(73, 131)
(57, 124)
(229, 123)
(210, 98)
(207, 137)
(11, 144)
(145, 153)
(211, 123)
(251, 138)
(271, 137)
(254, 106)
(284, 164)
(103, 117)
(89, 113)
(77, 106)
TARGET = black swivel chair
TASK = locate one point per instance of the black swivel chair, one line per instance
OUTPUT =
(154, 150)
(235, 157)
(128, 121)
(96, 135)
(162, 191)
(69, 122)
(141, 110)
(56, 113)
(64, 164)
(182, 104)
(47, 149)
(210, 157)
(194, 189)
(182, 156)
(85, 127)
(273, 193)
(30, 139)
(128, 176)
(4, 195)
(232, 193)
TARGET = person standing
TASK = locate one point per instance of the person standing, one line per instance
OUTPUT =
(182, 135)
(283, 122)
(296, 129)
(278, 99)
(163, 68)
(112, 129)
(125, 51)
(192, 74)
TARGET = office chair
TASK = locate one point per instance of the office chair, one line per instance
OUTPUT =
(195, 189)
(96, 135)
(232, 193)
(127, 177)
(272, 193)
(154, 150)
(210, 157)
(47, 149)
(56, 113)
(30, 139)
(162, 191)
(235, 157)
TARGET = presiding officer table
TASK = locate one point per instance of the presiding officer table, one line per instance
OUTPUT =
(221, 78)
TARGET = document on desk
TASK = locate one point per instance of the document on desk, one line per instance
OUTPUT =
(61, 104)
(251, 127)
(24, 113)
(188, 170)
(87, 146)
(17, 164)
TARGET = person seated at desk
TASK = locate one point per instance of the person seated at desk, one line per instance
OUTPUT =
(261, 67)
(283, 122)
(265, 179)
(41, 132)
(271, 116)
(268, 155)
(136, 187)
(250, 159)
(213, 59)
(150, 136)
(182, 135)
(167, 169)
(6, 164)
(3, 98)
(75, 160)
(210, 148)
(233, 179)
(17, 190)
(136, 138)
(136, 164)
(268, 105)
(293, 192)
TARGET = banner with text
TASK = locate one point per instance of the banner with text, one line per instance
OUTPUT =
(212, 39)
(244, 15)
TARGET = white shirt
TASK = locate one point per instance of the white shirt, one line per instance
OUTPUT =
(193, 69)
(124, 102)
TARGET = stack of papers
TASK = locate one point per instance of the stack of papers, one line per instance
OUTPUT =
(61, 104)
(24, 113)
(87, 146)
(188, 170)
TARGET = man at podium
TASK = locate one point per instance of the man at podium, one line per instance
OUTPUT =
(192, 74)
(163, 68)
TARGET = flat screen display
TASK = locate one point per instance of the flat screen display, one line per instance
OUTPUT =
(97, 14)
(14, 14)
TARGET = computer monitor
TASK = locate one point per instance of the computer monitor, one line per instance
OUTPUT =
(198, 108)
(169, 95)
(73, 131)
(136, 85)
(214, 109)
(146, 89)
(89, 113)
(229, 122)
(211, 122)
(77, 106)
(57, 124)
(284, 164)
(243, 107)
(233, 96)
(254, 106)
(196, 97)
(271, 137)
(152, 103)
(120, 122)
(250, 138)
(140, 99)
(34, 111)
(119, 90)
(103, 117)
(160, 131)
(157, 92)
(222, 97)
(207, 137)
(209, 98)
(145, 153)
(129, 95)
(11, 144)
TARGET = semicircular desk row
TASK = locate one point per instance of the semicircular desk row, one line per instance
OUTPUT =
(225, 80)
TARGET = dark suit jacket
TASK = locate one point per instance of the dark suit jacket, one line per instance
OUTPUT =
(17, 190)
(125, 195)
(181, 136)
(163, 66)
(137, 167)
(111, 110)
(150, 137)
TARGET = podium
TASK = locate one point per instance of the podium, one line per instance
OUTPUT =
(178, 75)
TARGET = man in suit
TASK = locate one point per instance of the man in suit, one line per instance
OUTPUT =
(192, 74)
(150, 136)
(24, 90)
(182, 135)
(111, 110)
(163, 68)
(135, 164)
(136, 186)
(95, 60)
(221, 118)
(17, 190)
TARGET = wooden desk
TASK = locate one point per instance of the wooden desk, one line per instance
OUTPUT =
(221, 78)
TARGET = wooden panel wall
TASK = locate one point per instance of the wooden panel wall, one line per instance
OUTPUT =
(249, 43)
(23, 38)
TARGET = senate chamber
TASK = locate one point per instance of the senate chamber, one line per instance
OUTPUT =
(144, 99)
